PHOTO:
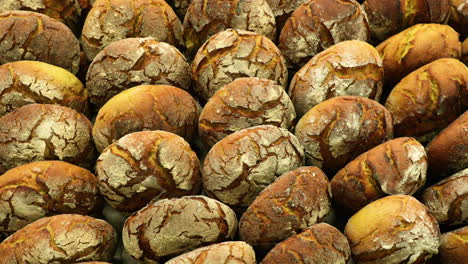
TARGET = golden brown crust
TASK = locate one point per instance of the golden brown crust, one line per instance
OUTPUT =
(321, 243)
(459, 17)
(454, 246)
(429, 98)
(38, 132)
(26, 35)
(295, 201)
(397, 166)
(63, 238)
(337, 130)
(146, 107)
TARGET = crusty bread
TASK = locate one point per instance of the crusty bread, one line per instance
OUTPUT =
(459, 17)
(283, 10)
(454, 247)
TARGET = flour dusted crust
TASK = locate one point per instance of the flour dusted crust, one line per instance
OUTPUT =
(283, 9)
(454, 247)
(135, 61)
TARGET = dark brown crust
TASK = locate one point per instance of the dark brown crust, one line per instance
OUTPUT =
(38, 132)
(454, 246)
(321, 243)
(26, 35)
(459, 17)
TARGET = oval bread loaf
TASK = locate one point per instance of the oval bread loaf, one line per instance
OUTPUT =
(454, 246)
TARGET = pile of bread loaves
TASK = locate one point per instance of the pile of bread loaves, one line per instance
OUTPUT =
(233, 131)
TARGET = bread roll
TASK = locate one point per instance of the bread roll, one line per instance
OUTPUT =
(233, 53)
(459, 17)
(206, 18)
(337, 130)
(321, 243)
(429, 98)
(244, 103)
(38, 132)
(60, 239)
(111, 20)
(226, 252)
(146, 107)
(283, 10)
(347, 68)
(292, 203)
(398, 166)
(135, 61)
(454, 246)
(169, 227)
(415, 47)
(26, 35)
(242, 164)
(318, 24)
(29, 82)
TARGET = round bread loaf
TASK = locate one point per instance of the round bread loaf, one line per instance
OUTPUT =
(398, 166)
(416, 47)
(226, 252)
(241, 165)
(292, 203)
(145, 166)
(429, 99)
(146, 107)
(111, 20)
(318, 24)
(244, 103)
(448, 151)
(459, 16)
(232, 54)
(38, 132)
(135, 61)
(37, 189)
(169, 227)
(394, 229)
(447, 200)
(347, 68)
(454, 246)
(321, 243)
(26, 35)
(283, 10)
(29, 82)
(337, 130)
(63, 238)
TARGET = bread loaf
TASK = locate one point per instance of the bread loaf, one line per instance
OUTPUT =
(111, 20)
(398, 166)
(337, 130)
(206, 18)
(66, 238)
(244, 103)
(415, 47)
(283, 10)
(429, 98)
(321, 243)
(241, 165)
(292, 203)
(146, 107)
(317, 25)
(454, 247)
(26, 35)
(459, 17)
(226, 252)
(29, 82)
(135, 61)
(169, 227)
(232, 54)
(38, 132)
(347, 68)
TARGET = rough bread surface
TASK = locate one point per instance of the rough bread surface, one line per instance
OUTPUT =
(454, 246)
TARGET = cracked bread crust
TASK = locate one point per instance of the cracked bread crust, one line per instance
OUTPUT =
(347, 68)
(146, 107)
(145, 166)
(42, 188)
(398, 166)
(111, 20)
(292, 203)
(65, 238)
(244, 103)
(241, 165)
(135, 61)
(318, 24)
(453, 246)
(283, 10)
(337, 130)
(169, 227)
(232, 54)
(39, 132)
(26, 35)
(34, 82)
